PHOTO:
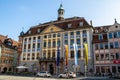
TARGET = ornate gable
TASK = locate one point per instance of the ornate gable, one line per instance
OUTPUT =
(114, 27)
(51, 28)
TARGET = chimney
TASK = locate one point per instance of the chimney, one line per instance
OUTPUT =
(91, 22)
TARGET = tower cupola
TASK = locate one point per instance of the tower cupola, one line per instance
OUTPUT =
(61, 12)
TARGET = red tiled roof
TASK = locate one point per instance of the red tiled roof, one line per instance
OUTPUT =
(60, 23)
(101, 29)
(2, 38)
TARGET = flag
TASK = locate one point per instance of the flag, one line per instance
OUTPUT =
(86, 53)
(66, 54)
(76, 53)
(58, 56)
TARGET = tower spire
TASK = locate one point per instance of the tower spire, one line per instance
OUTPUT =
(22, 32)
(61, 12)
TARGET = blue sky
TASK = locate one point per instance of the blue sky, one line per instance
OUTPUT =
(15, 14)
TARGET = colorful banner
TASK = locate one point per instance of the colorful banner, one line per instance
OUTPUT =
(58, 56)
(76, 53)
(66, 54)
(86, 53)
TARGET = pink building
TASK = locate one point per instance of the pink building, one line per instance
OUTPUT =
(106, 48)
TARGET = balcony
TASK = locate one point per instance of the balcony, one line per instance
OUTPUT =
(50, 59)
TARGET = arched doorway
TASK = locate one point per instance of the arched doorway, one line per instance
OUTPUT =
(4, 69)
(51, 68)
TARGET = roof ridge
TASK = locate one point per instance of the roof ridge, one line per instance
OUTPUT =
(58, 21)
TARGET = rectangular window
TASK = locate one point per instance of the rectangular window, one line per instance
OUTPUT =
(84, 33)
(29, 39)
(112, 57)
(111, 45)
(53, 55)
(97, 57)
(96, 47)
(49, 55)
(49, 36)
(119, 34)
(106, 56)
(77, 32)
(38, 45)
(78, 41)
(33, 45)
(97, 69)
(45, 36)
(25, 39)
(72, 54)
(54, 35)
(38, 37)
(119, 69)
(38, 30)
(69, 25)
(114, 69)
(71, 41)
(58, 43)
(34, 38)
(54, 43)
(101, 46)
(29, 32)
(29, 46)
(58, 35)
(115, 35)
(100, 37)
(103, 69)
(116, 45)
(106, 45)
(81, 24)
(44, 55)
(84, 40)
(44, 44)
(25, 46)
(66, 35)
(110, 35)
(49, 43)
(66, 42)
(117, 56)
(102, 56)
(37, 56)
(71, 33)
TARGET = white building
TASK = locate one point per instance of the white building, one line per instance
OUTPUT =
(40, 44)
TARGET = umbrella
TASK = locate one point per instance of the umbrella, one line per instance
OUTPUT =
(21, 67)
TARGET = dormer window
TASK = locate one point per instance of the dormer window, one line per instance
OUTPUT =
(69, 25)
(38, 30)
(100, 37)
(29, 32)
(96, 31)
(81, 24)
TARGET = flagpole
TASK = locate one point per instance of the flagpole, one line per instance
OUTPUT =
(57, 61)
